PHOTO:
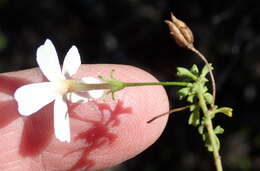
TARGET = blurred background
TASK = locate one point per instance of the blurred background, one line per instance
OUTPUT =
(133, 32)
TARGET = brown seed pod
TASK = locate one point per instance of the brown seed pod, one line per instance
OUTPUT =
(180, 32)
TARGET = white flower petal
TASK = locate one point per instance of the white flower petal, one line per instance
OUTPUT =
(93, 94)
(71, 62)
(78, 97)
(61, 120)
(33, 97)
(48, 61)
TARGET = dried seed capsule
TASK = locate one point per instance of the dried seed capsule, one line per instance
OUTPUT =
(180, 32)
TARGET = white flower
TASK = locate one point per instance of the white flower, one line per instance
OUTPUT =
(33, 97)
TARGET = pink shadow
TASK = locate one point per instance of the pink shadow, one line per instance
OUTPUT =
(8, 109)
(98, 135)
(37, 130)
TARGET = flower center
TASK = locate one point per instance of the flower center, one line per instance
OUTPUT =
(63, 86)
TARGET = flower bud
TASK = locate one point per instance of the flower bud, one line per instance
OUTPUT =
(180, 32)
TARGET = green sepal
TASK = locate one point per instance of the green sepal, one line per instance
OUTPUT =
(116, 85)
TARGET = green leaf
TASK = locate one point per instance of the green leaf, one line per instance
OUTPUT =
(190, 98)
(194, 118)
(204, 89)
(201, 129)
(183, 92)
(225, 110)
(208, 144)
(208, 97)
(217, 142)
(192, 107)
(183, 72)
(203, 79)
(219, 130)
(205, 70)
(204, 136)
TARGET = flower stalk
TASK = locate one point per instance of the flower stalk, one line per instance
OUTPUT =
(116, 85)
(212, 79)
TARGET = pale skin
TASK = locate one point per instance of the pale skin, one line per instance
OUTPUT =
(132, 135)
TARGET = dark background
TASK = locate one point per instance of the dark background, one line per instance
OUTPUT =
(133, 32)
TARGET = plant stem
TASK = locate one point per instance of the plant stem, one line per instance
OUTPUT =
(127, 84)
(211, 132)
(79, 86)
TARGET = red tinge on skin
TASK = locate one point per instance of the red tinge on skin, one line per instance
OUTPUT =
(98, 134)
(37, 132)
(8, 109)
(8, 112)
(38, 128)
(8, 85)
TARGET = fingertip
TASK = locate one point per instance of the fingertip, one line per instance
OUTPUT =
(123, 128)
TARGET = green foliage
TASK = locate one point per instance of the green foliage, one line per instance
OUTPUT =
(194, 118)
(196, 93)
(183, 72)
(225, 110)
